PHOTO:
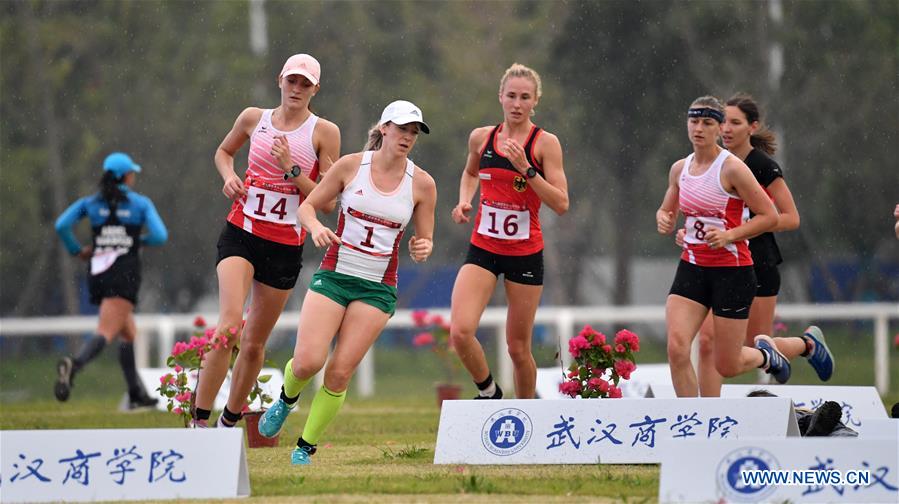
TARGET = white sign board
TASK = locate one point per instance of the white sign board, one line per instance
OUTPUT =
(590, 431)
(785, 470)
(150, 378)
(858, 403)
(548, 380)
(122, 464)
(881, 428)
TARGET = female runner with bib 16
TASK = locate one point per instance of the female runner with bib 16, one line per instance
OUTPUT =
(353, 294)
(260, 248)
(744, 135)
(711, 187)
(117, 215)
(519, 167)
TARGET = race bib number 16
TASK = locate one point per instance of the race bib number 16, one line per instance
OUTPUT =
(271, 206)
(504, 224)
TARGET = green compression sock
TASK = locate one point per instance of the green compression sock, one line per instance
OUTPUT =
(324, 408)
(293, 385)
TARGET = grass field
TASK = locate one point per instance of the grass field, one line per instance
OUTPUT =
(379, 449)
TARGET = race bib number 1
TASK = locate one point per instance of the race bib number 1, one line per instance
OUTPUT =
(504, 224)
(271, 206)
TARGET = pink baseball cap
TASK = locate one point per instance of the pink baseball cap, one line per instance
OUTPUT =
(302, 64)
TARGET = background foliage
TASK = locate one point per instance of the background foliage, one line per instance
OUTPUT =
(165, 80)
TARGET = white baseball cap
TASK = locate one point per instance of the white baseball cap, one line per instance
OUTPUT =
(403, 112)
(302, 64)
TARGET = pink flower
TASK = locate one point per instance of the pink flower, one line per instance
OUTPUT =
(598, 371)
(574, 373)
(607, 348)
(167, 379)
(570, 388)
(599, 339)
(232, 330)
(178, 368)
(199, 322)
(620, 348)
(209, 333)
(183, 397)
(586, 332)
(423, 339)
(628, 338)
(624, 368)
(576, 344)
(177, 411)
(598, 384)
(437, 320)
(420, 318)
(896, 341)
(614, 392)
(179, 348)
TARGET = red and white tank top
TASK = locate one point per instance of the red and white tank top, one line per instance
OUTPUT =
(269, 209)
(707, 205)
(508, 219)
(370, 226)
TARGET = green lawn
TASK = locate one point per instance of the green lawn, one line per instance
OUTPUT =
(380, 449)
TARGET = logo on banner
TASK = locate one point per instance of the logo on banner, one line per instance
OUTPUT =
(507, 432)
(730, 469)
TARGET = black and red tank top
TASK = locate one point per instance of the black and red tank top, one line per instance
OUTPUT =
(508, 218)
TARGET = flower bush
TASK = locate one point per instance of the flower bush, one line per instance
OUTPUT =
(186, 360)
(434, 333)
(599, 365)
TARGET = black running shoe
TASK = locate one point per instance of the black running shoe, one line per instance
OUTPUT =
(496, 395)
(63, 386)
(825, 419)
(142, 402)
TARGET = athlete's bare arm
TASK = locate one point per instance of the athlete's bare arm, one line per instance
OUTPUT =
(331, 185)
(234, 140)
(424, 191)
(787, 213)
(737, 177)
(666, 215)
(469, 183)
(553, 189)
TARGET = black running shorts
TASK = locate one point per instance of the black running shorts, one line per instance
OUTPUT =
(274, 264)
(526, 270)
(768, 278)
(122, 280)
(727, 290)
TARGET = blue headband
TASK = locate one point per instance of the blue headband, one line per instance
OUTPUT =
(706, 112)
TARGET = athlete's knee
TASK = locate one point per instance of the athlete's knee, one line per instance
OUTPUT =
(520, 353)
(304, 368)
(678, 350)
(460, 336)
(252, 350)
(706, 345)
(728, 368)
(337, 379)
(229, 327)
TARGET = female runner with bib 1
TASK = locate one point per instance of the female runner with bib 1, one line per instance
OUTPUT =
(261, 246)
(519, 167)
(353, 294)
(715, 273)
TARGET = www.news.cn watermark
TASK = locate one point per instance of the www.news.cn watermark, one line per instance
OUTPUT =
(806, 478)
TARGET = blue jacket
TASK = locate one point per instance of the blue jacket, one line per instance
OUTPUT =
(138, 210)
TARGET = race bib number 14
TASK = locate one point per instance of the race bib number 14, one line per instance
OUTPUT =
(504, 224)
(271, 206)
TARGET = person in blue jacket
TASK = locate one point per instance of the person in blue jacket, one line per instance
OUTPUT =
(117, 216)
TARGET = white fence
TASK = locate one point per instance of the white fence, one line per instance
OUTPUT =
(565, 320)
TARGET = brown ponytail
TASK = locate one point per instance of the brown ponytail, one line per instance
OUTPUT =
(763, 139)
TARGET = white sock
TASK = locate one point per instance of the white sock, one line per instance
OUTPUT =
(489, 391)
(220, 423)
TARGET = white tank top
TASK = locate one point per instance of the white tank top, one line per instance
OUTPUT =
(370, 226)
(707, 205)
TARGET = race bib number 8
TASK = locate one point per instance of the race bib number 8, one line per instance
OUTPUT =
(271, 206)
(504, 224)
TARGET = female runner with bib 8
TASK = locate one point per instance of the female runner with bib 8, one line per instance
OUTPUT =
(260, 248)
(519, 168)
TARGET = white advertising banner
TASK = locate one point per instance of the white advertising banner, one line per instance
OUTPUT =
(122, 464)
(150, 378)
(548, 380)
(881, 428)
(858, 403)
(591, 431)
(819, 469)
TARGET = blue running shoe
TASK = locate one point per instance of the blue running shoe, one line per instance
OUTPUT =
(300, 456)
(273, 419)
(778, 365)
(820, 358)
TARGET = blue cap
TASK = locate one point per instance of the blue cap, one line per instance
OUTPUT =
(120, 164)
